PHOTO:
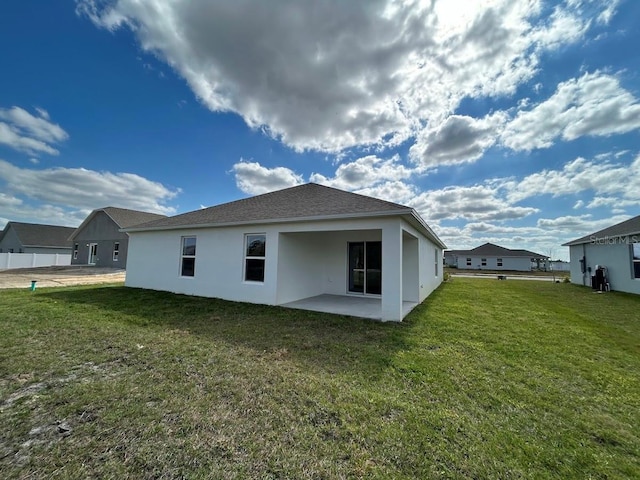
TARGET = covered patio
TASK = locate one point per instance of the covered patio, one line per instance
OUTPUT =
(355, 306)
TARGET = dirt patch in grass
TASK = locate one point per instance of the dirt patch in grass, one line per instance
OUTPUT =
(59, 276)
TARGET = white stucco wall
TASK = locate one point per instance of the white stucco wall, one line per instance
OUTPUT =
(616, 257)
(302, 260)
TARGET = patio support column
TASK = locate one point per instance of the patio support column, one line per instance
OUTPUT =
(392, 272)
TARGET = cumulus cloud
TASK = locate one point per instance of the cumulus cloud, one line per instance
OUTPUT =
(31, 134)
(366, 172)
(601, 177)
(254, 179)
(578, 225)
(333, 75)
(592, 105)
(87, 189)
(478, 203)
(458, 139)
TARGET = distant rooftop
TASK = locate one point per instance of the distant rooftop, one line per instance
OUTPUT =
(39, 235)
(492, 250)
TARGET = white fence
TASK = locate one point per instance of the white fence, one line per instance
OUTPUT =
(28, 260)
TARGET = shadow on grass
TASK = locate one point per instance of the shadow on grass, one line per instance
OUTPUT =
(333, 343)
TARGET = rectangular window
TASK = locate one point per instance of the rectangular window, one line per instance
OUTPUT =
(75, 251)
(436, 262)
(499, 262)
(468, 262)
(116, 251)
(254, 257)
(483, 261)
(636, 259)
(188, 257)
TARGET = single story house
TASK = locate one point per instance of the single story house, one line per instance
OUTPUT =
(616, 248)
(19, 237)
(310, 247)
(99, 240)
(494, 257)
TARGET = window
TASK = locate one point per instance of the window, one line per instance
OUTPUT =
(188, 258)
(483, 261)
(468, 262)
(254, 258)
(636, 259)
(11, 250)
(116, 251)
(499, 262)
(436, 262)
(75, 251)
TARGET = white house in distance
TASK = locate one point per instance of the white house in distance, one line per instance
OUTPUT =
(617, 248)
(310, 247)
(494, 257)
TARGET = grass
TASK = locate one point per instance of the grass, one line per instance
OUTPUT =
(486, 379)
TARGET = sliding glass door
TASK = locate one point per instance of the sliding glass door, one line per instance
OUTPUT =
(365, 267)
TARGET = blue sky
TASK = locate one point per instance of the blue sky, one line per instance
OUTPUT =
(514, 122)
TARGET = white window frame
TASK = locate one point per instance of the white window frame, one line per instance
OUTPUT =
(436, 261)
(75, 251)
(499, 262)
(635, 261)
(116, 251)
(183, 256)
(483, 262)
(248, 257)
(468, 261)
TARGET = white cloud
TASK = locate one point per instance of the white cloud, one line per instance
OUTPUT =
(458, 139)
(601, 177)
(254, 179)
(333, 75)
(85, 190)
(477, 203)
(31, 134)
(592, 105)
(366, 172)
(578, 225)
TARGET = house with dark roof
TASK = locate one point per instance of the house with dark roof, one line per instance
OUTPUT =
(98, 240)
(19, 237)
(613, 252)
(494, 257)
(308, 247)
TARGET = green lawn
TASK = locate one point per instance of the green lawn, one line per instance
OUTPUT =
(486, 379)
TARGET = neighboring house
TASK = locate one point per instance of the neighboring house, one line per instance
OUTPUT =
(308, 246)
(616, 248)
(98, 240)
(494, 257)
(18, 237)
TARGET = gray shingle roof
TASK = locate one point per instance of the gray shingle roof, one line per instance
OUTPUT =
(125, 218)
(304, 201)
(492, 250)
(38, 235)
(628, 227)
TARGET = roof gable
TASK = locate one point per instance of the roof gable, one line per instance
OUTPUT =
(628, 227)
(122, 217)
(38, 235)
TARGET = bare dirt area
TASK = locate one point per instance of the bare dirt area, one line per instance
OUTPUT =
(59, 276)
